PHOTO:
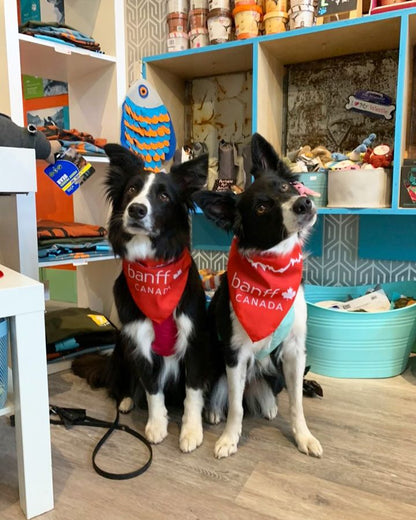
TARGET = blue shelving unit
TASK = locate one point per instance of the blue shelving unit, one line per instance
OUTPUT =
(266, 57)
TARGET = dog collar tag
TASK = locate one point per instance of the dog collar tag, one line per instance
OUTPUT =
(263, 288)
(157, 289)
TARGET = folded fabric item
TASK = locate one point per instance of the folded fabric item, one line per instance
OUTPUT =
(81, 326)
(83, 147)
(73, 252)
(57, 229)
(53, 133)
(63, 32)
(52, 39)
(73, 241)
(54, 357)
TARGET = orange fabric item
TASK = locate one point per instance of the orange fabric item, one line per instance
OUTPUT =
(48, 229)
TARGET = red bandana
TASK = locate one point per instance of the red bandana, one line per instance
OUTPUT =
(263, 288)
(156, 290)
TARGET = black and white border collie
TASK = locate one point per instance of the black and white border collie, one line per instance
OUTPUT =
(163, 344)
(260, 291)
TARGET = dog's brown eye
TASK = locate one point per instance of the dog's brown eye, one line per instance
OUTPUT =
(164, 197)
(261, 209)
(284, 187)
(132, 190)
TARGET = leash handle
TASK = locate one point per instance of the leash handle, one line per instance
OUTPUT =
(121, 476)
(78, 417)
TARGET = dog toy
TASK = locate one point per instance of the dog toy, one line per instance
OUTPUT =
(355, 155)
(303, 190)
(17, 136)
(146, 126)
(379, 157)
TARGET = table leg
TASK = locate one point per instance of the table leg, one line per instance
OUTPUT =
(33, 443)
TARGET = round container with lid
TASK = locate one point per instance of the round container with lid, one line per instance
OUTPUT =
(198, 4)
(198, 38)
(301, 16)
(177, 41)
(247, 19)
(177, 6)
(220, 25)
(275, 22)
(219, 4)
(177, 22)
(276, 5)
(198, 18)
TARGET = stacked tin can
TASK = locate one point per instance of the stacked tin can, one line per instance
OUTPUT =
(219, 21)
(301, 14)
(198, 31)
(177, 19)
(276, 16)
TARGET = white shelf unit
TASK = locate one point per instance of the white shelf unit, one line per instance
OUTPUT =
(22, 303)
(96, 90)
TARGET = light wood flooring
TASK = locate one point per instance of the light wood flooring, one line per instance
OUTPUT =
(368, 470)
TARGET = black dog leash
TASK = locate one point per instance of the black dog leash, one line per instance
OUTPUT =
(78, 417)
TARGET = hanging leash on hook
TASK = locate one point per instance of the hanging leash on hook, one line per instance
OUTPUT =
(78, 417)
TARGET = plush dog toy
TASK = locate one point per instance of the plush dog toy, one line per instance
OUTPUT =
(29, 137)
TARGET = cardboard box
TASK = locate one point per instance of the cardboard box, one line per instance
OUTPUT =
(359, 188)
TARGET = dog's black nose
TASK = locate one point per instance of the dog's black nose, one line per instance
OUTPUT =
(137, 211)
(302, 205)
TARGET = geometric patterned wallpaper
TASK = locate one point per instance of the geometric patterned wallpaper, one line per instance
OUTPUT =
(339, 263)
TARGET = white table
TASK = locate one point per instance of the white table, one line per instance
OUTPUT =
(22, 301)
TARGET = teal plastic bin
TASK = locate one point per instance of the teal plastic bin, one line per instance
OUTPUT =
(317, 181)
(359, 345)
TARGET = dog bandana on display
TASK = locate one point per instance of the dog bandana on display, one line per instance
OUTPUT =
(156, 290)
(263, 288)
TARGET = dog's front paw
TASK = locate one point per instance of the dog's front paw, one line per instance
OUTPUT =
(126, 405)
(190, 438)
(156, 430)
(226, 445)
(308, 444)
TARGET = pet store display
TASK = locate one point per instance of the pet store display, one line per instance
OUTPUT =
(357, 179)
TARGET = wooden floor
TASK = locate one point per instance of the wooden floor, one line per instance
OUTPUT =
(367, 429)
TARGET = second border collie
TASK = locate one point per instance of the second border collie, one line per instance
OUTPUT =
(163, 345)
(258, 314)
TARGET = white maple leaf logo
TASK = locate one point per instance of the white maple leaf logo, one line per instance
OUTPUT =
(289, 294)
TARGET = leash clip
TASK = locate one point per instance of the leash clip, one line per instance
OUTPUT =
(69, 416)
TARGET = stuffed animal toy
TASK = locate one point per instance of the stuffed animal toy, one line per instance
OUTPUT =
(20, 137)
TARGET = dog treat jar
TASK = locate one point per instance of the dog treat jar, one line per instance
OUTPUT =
(220, 25)
(177, 41)
(198, 38)
(275, 22)
(247, 18)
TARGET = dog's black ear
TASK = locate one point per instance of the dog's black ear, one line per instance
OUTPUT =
(264, 158)
(220, 207)
(123, 165)
(190, 176)
(125, 159)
